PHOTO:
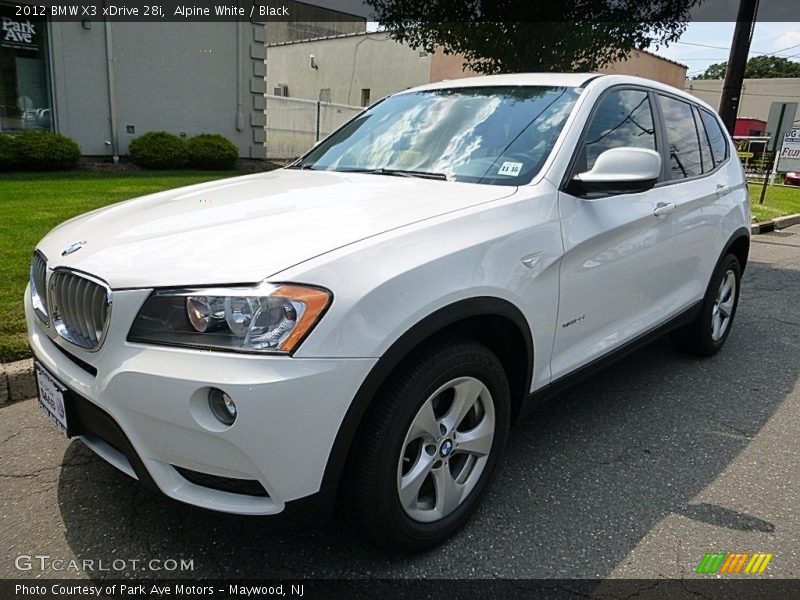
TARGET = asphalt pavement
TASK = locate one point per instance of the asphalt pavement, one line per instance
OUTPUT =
(635, 473)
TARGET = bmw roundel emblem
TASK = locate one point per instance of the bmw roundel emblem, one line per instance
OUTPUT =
(73, 247)
(446, 448)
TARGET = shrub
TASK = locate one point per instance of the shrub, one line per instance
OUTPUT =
(9, 152)
(158, 150)
(207, 151)
(46, 151)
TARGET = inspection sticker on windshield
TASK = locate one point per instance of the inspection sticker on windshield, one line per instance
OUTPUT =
(511, 169)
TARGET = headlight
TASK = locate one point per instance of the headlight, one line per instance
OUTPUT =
(267, 318)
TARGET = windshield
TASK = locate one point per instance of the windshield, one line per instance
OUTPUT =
(492, 135)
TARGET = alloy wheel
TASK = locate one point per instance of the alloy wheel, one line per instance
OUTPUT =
(723, 306)
(446, 449)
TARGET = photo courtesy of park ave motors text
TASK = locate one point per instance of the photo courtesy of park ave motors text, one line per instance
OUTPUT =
(363, 290)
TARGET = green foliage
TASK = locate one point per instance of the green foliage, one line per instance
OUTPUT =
(572, 35)
(715, 71)
(46, 151)
(34, 203)
(758, 67)
(207, 151)
(159, 150)
(9, 152)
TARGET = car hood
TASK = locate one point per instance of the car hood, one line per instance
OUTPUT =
(244, 229)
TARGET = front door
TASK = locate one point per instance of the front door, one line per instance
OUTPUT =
(615, 278)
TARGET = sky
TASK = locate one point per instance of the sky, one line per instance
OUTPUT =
(780, 39)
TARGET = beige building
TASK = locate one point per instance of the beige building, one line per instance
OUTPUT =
(646, 64)
(359, 68)
(757, 94)
(354, 69)
(309, 21)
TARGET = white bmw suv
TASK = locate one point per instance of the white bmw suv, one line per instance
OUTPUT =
(366, 324)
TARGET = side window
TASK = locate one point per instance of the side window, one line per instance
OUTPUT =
(705, 144)
(683, 143)
(717, 139)
(623, 118)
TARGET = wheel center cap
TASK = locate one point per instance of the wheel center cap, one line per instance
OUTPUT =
(446, 448)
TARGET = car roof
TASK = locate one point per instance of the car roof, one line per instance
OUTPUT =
(577, 80)
(532, 79)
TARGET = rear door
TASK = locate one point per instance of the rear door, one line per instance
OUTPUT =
(616, 279)
(693, 181)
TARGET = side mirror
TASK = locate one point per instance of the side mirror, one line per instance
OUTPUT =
(619, 171)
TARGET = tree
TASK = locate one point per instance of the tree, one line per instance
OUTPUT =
(515, 36)
(758, 67)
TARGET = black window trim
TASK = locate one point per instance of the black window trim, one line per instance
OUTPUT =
(701, 126)
(622, 87)
(665, 156)
(701, 110)
(660, 134)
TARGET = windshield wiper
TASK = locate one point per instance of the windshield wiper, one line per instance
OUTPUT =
(398, 173)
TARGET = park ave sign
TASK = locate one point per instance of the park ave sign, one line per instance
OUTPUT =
(16, 34)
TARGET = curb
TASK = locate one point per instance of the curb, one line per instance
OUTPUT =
(773, 224)
(16, 381)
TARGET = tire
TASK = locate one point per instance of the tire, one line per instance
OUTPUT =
(706, 335)
(400, 448)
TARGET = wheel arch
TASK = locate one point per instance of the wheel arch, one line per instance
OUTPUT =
(739, 245)
(490, 320)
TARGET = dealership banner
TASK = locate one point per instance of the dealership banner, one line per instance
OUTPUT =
(587, 11)
(380, 589)
(789, 157)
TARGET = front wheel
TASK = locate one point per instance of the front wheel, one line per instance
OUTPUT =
(429, 447)
(707, 333)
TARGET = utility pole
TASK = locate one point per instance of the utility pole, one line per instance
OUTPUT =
(737, 61)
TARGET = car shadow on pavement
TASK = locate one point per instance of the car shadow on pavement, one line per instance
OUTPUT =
(585, 478)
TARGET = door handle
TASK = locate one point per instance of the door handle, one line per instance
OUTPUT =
(720, 189)
(664, 208)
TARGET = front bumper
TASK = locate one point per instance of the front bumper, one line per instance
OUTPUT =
(289, 412)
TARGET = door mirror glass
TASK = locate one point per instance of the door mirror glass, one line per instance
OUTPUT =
(619, 171)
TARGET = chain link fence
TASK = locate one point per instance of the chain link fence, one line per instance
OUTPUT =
(294, 125)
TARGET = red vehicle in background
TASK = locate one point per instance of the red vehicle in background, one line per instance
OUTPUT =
(791, 179)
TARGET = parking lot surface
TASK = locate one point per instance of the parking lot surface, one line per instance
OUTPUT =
(636, 473)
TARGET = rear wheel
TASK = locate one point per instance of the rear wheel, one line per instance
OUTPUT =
(430, 446)
(707, 333)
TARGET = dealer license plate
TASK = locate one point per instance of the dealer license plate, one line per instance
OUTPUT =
(51, 397)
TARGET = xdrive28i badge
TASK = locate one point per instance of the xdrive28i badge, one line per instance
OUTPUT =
(73, 247)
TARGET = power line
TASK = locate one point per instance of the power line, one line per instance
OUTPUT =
(762, 52)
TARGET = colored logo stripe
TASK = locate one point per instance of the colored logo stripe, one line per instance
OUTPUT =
(734, 563)
(711, 562)
(758, 563)
(723, 562)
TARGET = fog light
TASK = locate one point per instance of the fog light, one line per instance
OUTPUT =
(222, 406)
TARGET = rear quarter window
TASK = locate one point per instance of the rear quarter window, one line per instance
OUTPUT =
(716, 137)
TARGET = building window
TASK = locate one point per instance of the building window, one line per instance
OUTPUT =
(365, 97)
(282, 89)
(24, 77)
(325, 95)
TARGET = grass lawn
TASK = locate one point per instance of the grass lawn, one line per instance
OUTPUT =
(778, 201)
(33, 203)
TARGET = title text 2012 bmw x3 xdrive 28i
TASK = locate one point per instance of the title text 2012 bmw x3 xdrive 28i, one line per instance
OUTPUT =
(366, 324)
